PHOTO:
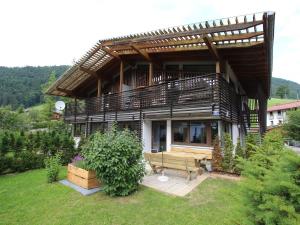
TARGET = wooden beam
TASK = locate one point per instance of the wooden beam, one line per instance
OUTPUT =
(150, 73)
(69, 93)
(91, 72)
(141, 52)
(111, 53)
(121, 76)
(99, 87)
(225, 28)
(212, 48)
(171, 42)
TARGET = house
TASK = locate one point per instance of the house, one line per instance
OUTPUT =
(177, 87)
(277, 114)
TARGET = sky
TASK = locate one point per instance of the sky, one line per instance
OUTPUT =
(57, 32)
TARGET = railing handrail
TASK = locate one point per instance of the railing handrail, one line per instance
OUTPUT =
(164, 83)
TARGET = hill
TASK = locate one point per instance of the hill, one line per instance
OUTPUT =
(22, 85)
(293, 87)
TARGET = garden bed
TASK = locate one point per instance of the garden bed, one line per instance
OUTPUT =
(83, 178)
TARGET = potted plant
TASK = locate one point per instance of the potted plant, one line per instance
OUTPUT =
(79, 174)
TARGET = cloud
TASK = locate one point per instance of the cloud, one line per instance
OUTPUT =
(53, 32)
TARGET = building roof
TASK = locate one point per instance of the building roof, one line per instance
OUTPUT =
(290, 105)
(253, 33)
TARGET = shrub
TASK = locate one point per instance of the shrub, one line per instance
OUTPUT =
(217, 156)
(228, 153)
(271, 186)
(239, 154)
(53, 164)
(292, 127)
(116, 156)
(251, 142)
(5, 164)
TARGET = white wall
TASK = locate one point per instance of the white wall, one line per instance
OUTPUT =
(235, 133)
(147, 135)
(275, 118)
(169, 135)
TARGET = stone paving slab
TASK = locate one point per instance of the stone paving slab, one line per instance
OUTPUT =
(176, 185)
(81, 190)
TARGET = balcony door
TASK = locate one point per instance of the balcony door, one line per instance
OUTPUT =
(159, 129)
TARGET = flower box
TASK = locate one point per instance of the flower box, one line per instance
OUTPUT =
(83, 178)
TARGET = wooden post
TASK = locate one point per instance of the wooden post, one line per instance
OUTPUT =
(218, 67)
(99, 87)
(121, 76)
(150, 82)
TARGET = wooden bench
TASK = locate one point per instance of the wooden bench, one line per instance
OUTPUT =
(162, 161)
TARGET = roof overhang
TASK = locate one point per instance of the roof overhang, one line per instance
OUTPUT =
(232, 37)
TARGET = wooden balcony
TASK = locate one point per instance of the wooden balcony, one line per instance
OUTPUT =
(210, 91)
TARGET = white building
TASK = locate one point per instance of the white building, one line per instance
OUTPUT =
(276, 115)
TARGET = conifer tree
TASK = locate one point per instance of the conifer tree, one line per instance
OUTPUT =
(217, 156)
(228, 153)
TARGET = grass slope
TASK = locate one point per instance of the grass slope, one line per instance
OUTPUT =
(278, 101)
(27, 199)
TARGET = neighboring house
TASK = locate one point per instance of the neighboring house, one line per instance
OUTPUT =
(177, 87)
(277, 115)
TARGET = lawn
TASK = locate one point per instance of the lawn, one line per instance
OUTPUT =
(278, 101)
(26, 198)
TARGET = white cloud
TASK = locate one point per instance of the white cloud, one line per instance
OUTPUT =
(35, 32)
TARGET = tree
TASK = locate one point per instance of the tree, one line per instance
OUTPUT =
(49, 100)
(283, 91)
(217, 156)
(292, 126)
(271, 186)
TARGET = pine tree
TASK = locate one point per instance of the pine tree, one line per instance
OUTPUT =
(217, 156)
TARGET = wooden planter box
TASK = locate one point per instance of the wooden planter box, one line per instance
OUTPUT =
(83, 178)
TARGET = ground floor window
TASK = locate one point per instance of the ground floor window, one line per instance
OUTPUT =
(194, 132)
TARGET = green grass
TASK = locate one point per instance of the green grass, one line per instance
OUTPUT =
(278, 101)
(26, 198)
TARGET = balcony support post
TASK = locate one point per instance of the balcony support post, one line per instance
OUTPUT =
(121, 76)
(98, 87)
(150, 81)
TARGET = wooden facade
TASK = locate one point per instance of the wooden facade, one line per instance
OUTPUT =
(216, 70)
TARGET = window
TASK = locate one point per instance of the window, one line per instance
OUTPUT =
(180, 131)
(193, 132)
(279, 112)
(197, 132)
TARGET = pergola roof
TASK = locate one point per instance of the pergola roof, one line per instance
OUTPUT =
(253, 31)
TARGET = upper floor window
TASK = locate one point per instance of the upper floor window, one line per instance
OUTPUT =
(279, 112)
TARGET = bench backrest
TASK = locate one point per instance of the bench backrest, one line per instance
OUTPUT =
(170, 161)
(206, 152)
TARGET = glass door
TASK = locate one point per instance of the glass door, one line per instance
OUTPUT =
(159, 136)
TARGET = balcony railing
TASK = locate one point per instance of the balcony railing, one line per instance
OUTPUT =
(199, 91)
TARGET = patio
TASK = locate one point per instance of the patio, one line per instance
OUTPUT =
(177, 183)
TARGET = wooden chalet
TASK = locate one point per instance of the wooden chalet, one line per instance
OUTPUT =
(177, 87)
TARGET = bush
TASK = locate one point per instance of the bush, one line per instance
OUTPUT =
(252, 140)
(116, 156)
(271, 186)
(5, 164)
(53, 165)
(292, 127)
(239, 154)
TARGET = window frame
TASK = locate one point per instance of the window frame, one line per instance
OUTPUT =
(207, 130)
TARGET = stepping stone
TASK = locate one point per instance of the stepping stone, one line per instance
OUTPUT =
(81, 190)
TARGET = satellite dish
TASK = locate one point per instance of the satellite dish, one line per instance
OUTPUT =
(60, 105)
